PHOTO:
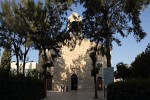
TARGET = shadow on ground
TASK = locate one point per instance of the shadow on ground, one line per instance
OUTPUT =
(72, 95)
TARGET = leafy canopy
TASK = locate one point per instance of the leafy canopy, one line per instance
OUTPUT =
(140, 68)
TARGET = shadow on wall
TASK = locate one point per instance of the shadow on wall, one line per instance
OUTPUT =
(75, 62)
(60, 74)
(81, 67)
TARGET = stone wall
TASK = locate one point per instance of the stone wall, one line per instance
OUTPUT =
(74, 62)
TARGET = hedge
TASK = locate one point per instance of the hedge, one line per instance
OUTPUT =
(20, 88)
(138, 89)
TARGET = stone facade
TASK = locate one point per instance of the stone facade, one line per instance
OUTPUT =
(76, 62)
(73, 68)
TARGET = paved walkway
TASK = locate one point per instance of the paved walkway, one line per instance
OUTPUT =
(72, 95)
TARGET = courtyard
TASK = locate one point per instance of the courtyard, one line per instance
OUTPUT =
(73, 95)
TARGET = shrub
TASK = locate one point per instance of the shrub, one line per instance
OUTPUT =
(132, 90)
(140, 68)
(21, 88)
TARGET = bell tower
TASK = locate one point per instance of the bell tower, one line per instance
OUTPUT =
(74, 17)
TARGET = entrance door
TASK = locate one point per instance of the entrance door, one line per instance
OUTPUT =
(49, 83)
(99, 83)
(74, 82)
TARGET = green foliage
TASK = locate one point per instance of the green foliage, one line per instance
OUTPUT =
(102, 19)
(141, 66)
(32, 24)
(122, 70)
(93, 56)
(75, 27)
(33, 73)
(15, 34)
(133, 9)
(45, 20)
(95, 71)
(4, 73)
(130, 90)
(45, 24)
(20, 88)
(6, 59)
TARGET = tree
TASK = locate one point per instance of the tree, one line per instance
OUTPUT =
(122, 70)
(140, 68)
(6, 44)
(33, 73)
(93, 53)
(15, 33)
(40, 23)
(103, 19)
(132, 8)
(95, 70)
(6, 60)
(45, 21)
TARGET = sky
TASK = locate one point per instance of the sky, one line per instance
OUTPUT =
(129, 49)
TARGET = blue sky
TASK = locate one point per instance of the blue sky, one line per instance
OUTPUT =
(129, 49)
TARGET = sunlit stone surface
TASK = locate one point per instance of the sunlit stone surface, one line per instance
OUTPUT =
(74, 62)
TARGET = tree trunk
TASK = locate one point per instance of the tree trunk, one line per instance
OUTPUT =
(24, 59)
(94, 67)
(9, 67)
(17, 64)
(108, 55)
(24, 64)
(108, 41)
(45, 70)
(17, 56)
(95, 83)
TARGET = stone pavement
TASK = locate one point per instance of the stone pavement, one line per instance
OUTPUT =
(72, 95)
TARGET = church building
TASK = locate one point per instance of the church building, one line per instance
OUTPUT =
(72, 70)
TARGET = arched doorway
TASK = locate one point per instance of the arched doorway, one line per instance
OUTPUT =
(74, 82)
(99, 83)
(49, 83)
